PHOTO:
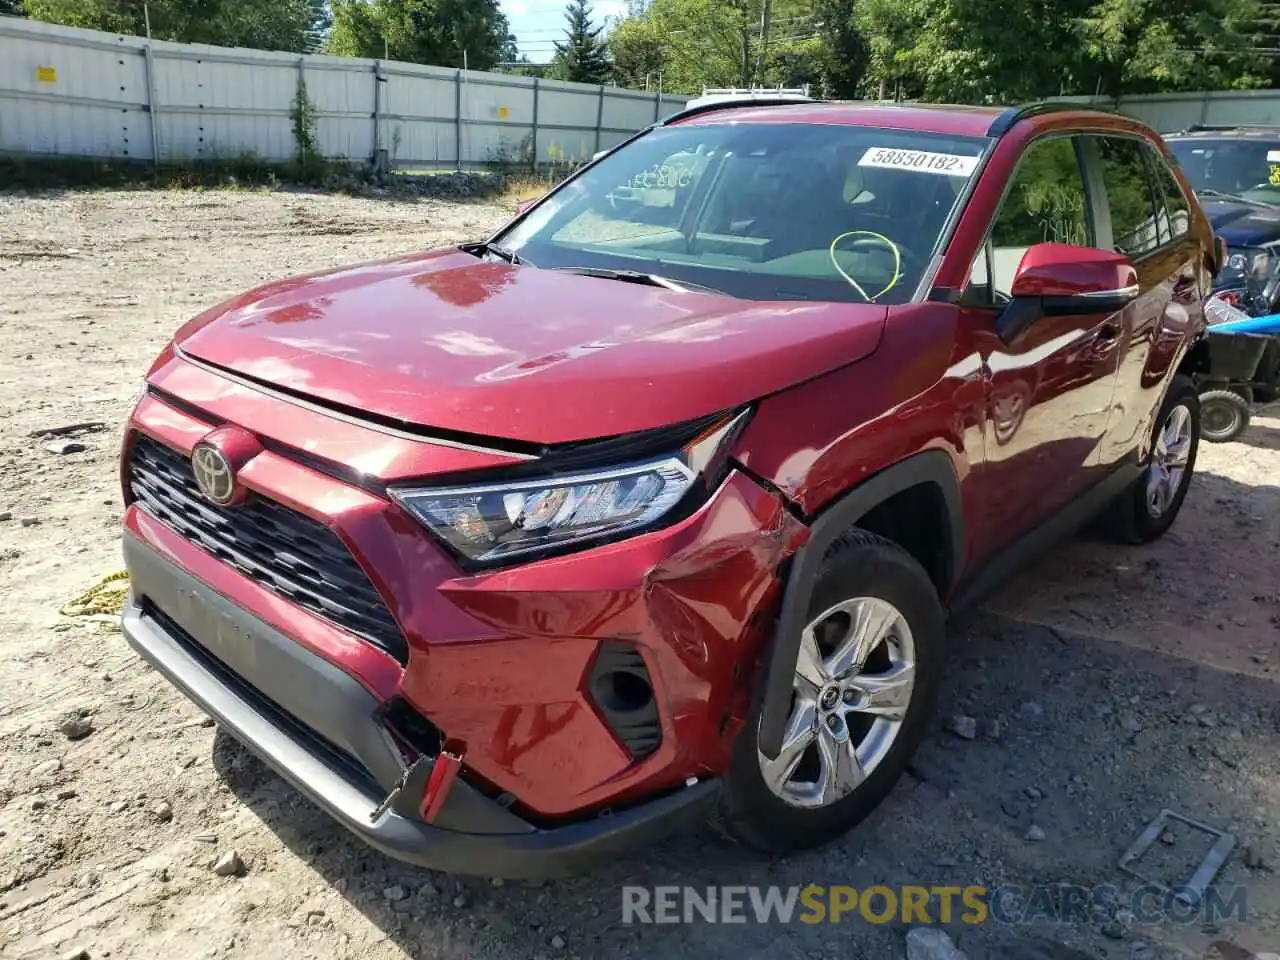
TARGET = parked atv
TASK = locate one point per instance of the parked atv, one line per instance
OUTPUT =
(1244, 369)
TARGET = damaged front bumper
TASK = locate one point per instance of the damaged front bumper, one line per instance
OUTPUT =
(317, 727)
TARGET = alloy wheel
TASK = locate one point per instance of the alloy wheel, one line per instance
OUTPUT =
(1169, 461)
(853, 684)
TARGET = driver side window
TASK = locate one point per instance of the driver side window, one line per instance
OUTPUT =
(1045, 203)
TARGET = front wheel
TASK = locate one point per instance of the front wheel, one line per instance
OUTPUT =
(862, 695)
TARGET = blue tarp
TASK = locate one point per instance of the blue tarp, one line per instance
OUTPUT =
(1268, 324)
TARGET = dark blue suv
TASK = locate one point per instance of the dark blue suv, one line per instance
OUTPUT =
(1235, 171)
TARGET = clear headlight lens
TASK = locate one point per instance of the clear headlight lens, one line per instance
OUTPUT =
(487, 524)
(1254, 264)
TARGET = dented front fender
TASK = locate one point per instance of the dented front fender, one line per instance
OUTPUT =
(697, 599)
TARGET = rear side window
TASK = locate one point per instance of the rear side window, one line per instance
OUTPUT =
(1135, 214)
(1177, 219)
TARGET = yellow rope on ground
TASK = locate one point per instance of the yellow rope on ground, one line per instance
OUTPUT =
(103, 601)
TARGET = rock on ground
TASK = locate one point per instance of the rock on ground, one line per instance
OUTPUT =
(931, 943)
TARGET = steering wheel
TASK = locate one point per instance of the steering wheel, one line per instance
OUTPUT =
(867, 239)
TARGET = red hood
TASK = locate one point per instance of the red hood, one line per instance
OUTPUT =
(445, 340)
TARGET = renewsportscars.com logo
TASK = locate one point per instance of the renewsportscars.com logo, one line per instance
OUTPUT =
(1149, 904)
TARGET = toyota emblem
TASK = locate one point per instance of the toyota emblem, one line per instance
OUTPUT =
(213, 472)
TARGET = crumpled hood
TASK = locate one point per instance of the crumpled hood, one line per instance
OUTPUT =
(447, 341)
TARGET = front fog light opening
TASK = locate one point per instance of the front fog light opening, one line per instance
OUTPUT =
(622, 691)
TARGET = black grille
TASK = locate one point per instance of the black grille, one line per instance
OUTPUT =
(291, 554)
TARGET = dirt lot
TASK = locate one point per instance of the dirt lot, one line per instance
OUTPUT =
(1124, 681)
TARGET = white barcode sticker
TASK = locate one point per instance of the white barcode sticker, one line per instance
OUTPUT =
(947, 164)
(1273, 156)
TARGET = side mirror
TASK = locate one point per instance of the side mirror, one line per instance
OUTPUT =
(1057, 279)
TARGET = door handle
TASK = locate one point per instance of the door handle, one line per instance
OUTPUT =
(1107, 334)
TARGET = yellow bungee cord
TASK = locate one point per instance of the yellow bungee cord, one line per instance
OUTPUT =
(897, 261)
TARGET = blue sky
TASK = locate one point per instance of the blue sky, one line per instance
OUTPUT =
(537, 24)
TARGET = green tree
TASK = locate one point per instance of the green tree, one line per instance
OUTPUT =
(584, 56)
(437, 32)
(960, 50)
(638, 53)
(709, 43)
(354, 30)
(841, 51)
(1140, 46)
(321, 22)
(279, 25)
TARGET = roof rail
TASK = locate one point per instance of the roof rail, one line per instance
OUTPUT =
(736, 104)
(1012, 115)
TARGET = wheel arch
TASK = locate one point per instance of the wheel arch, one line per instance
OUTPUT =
(1195, 358)
(932, 470)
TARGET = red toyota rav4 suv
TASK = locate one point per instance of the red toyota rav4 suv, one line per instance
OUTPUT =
(516, 555)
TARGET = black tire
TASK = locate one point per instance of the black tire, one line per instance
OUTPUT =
(1131, 519)
(860, 564)
(1224, 415)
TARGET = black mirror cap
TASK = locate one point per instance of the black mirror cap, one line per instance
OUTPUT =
(1218, 256)
(1021, 312)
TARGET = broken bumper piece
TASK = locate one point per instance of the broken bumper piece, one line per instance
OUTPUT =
(316, 727)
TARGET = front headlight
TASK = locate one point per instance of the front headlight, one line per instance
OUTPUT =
(1253, 264)
(487, 524)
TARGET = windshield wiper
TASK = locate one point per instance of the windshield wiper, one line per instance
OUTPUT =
(499, 251)
(637, 276)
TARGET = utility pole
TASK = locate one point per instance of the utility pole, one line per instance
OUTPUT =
(146, 16)
(765, 13)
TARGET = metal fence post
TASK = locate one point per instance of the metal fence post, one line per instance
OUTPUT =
(657, 106)
(152, 107)
(300, 127)
(457, 119)
(377, 106)
(599, 118)
(533, 162)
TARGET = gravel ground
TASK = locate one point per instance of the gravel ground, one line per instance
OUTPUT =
(1105, 685)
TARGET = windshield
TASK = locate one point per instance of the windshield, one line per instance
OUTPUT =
(760, 211)
(1246, 168)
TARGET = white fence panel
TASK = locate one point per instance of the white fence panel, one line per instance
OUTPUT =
(624, 111)
(419, 107)
(78, 92)
(1171, 112)
(497, 116)
(90, 99)
(343, 96)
